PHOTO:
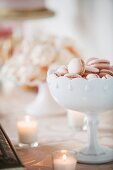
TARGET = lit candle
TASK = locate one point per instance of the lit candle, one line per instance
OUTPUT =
(27, 131)
(64, 162)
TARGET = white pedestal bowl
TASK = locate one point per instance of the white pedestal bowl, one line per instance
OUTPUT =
(91, 97)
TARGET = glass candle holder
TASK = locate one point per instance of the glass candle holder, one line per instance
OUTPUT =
(64, 160)
(27, 129)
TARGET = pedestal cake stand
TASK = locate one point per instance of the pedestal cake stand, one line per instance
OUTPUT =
(44, 104)
(91, 97)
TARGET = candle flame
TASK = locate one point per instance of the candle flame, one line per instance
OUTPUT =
(64, 157)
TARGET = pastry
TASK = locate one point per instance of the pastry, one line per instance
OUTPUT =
(77, 69)
(99, 63)
(76, 66)
(72, 75)
(62, 70)
(92, 76)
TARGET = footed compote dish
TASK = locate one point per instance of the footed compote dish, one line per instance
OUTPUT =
(92, 97)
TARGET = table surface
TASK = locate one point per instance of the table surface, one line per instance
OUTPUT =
(53, 134)
(40, 159)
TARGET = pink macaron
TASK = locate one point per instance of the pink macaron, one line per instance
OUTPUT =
(62, 70)
(110, 72)
(76, 66)
(111, 68)
(90, 59)
(72, 75)
(90, 69)
(106, 76)
(99, 63)
(92, 76)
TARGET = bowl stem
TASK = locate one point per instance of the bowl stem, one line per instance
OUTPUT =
(94, 153)
(93, 144)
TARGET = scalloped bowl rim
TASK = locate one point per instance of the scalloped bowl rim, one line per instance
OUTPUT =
(97, 96)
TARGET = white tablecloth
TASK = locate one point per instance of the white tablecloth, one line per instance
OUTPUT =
(51, 130)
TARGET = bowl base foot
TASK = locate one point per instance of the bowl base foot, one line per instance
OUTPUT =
(105, 157)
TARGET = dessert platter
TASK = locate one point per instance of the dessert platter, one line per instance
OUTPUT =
(86, 86)
(28, 69)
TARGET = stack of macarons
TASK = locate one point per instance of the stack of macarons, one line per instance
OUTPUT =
(92, 68)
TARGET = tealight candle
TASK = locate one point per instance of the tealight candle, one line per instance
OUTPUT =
(75, 119)
(27, 131)
(64, 160)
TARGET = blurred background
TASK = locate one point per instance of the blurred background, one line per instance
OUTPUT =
(34, 38)
(88, 22)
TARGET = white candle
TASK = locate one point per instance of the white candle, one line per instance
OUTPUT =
(27, 130)
(75, 119)
(64, 163)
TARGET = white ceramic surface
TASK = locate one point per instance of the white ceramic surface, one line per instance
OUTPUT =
(91, 97)
(44, 104)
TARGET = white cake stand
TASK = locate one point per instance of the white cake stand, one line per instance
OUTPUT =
(91, 97)
(44, 104)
